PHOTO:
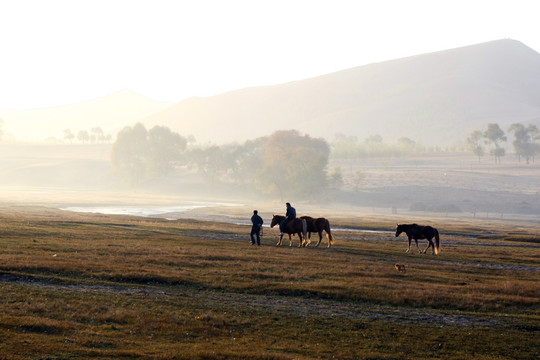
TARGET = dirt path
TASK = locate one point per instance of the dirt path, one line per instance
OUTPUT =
(285, 305)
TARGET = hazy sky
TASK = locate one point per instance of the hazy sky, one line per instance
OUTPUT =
(58, 52)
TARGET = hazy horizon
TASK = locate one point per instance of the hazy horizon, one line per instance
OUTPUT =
(414, 97)
(137, 58)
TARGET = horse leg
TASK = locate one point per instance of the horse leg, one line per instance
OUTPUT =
(430, 243)
(328, 237)
(418, 247)
(329, 234)
(329, 241)
(409, 248)
(290, 240)
(427, 247)
(301, 239)
(279, 241)
(320, 239)
(308, 240)
(432, 247)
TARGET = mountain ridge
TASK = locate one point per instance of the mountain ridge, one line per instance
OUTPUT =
(434, 99)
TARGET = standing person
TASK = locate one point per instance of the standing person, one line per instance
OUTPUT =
(289, 215)
(257, 222)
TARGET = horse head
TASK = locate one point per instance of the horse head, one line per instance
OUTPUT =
(399, 229)
(276, 219)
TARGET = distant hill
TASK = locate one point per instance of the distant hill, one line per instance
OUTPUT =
(111, 113)
(434, 99)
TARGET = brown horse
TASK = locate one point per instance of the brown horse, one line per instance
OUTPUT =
(416, 232)
(296, 226)
(318, 225)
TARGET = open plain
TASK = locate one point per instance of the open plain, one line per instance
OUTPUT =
(187, 284)
(94, 286)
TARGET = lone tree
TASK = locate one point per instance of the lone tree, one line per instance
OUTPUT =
(494, 135)
(524, 140)
(473, 144)
(68, 135)
(97, 135)
(83, 136)
(294, 165)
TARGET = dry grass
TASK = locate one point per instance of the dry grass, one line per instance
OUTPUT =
(101, 287)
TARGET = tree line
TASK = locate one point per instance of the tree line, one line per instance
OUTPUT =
(350, 147)
(93, 136)
(283, 164)
(525, 142)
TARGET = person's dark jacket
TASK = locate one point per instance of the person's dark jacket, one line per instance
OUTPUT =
(291, 213)
(257, 222)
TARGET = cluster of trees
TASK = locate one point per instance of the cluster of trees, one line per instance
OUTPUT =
(139, 155)
(94, 136)
(283, 164)
(525, 141)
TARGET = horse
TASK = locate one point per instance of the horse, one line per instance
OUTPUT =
(295, 226)
(317, 225)
(416, 232)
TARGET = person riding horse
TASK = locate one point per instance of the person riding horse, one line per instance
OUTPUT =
(289, 215)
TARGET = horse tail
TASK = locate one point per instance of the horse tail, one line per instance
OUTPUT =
(304, 229)
(328, 232)
(436, 241)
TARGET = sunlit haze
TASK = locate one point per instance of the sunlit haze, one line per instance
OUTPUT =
(61, 52)
(148, 150)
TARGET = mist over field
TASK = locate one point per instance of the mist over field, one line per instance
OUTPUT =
(137, 139)
(452, 133)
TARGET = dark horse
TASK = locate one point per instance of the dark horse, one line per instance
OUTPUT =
(416, 232)
(318, 225)
(296, 226)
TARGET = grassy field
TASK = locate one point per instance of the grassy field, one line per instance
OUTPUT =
(83, 286)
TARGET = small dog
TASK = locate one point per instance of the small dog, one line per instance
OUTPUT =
(401, 267)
